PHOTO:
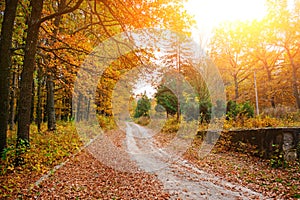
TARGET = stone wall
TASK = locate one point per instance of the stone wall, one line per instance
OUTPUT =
(268, 141)
(264, 142)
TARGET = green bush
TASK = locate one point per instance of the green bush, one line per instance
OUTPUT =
(205, 111)
(167, 99)
(232, 109)
(171, 126)
(144, 121)
(190, 111)
(106, 122)
(235, 110)
(247, 109)
(143, 107)
(13, 156)
(220, 108)
(277, 159)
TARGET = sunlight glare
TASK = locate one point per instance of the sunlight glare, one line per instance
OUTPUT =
(216, 11)
(210, 13)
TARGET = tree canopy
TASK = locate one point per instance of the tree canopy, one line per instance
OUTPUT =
(268, 48)
(44, 43)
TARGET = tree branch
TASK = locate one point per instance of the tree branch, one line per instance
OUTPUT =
(64, 11)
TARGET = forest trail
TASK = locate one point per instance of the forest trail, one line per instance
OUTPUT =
(180, 178)
(156, 174)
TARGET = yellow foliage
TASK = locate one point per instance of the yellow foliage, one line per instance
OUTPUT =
(258, 122)
(47, 149)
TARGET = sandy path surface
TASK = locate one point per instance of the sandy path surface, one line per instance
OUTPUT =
(180, 178)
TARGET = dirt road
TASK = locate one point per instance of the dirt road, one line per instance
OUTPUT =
(180, 178)
(136, 169)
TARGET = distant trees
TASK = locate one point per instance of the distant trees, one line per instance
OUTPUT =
(143, 107)
(167, 99)
(287, 27)
(269, 48)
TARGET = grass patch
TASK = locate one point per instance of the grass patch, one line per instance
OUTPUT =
(47, 149)
(143, 121)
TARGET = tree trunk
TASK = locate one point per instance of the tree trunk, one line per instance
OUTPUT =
(28, 69)
(295, 87)
(178, 84)
(78, 111)
(45, 115)
(88, 109)
(5, 62)
(294, 78)
(67, 107)
(178, 111)
(272, 98)
(12, 104)
(50, 104)
(236, 88)
(50, 83)
(32, 103)
(39, 96)
(70, 111)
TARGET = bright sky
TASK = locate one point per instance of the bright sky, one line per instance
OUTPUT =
(210, 13)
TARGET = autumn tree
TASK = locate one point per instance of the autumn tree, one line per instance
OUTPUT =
(285, 23)
(267, 47)
(229, 51)
(50, 51)
(266, 58)
(49, 80)
(5, 64)
(34, 23)
(113, 73)
(273, 49)
(28, 69)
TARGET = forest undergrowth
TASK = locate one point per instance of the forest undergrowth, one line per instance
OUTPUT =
(47, 149)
